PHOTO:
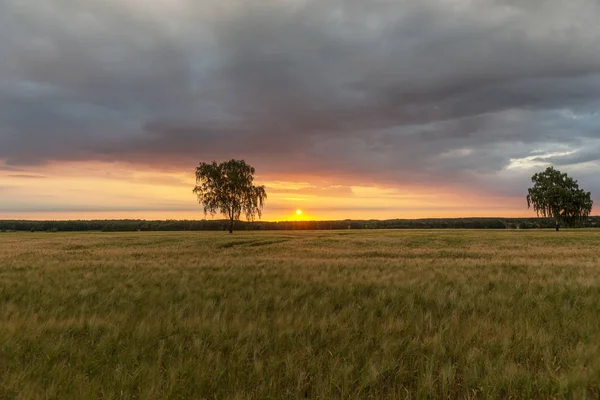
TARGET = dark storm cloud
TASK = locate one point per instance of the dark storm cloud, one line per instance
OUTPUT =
(368, 91)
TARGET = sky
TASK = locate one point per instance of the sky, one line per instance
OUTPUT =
(346, 108)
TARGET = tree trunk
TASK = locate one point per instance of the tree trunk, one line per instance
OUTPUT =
(231, 225)
(557, 227)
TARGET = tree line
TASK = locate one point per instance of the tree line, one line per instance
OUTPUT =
(223, 225)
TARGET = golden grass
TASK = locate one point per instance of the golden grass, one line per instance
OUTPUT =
(345, 314)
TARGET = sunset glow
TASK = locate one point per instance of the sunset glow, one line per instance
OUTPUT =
(92, 190)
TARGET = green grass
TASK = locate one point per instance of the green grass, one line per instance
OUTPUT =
(353, 314)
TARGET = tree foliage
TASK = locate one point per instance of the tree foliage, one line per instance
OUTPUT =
(556, 195)
(227, 188)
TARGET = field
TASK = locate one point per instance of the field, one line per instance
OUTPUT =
(337, 314)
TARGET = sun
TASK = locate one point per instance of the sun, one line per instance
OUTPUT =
(298, 212)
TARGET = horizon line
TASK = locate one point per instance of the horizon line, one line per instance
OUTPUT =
(279, 221)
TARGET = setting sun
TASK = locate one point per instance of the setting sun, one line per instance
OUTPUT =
(298, 212)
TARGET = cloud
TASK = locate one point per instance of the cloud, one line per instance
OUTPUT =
(420, 92)
(26, 176)
(329, 191)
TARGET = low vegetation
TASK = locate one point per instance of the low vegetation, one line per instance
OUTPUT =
(340, 314)
(221, 225)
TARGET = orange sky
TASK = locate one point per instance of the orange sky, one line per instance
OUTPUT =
(116, 191)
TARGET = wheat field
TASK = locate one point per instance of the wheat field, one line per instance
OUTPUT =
(294, 315)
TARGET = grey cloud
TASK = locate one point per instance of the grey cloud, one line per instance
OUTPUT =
(8, 168)
(421, 92)
(328, 191)
(27, 176)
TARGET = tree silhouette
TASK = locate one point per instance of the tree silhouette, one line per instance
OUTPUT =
(228, 188)
(556, 195)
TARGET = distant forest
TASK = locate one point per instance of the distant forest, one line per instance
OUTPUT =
(222, 225)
